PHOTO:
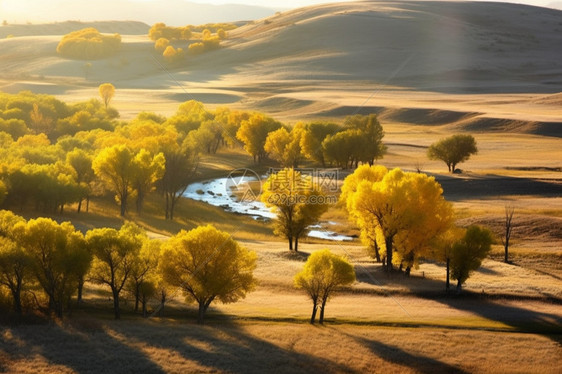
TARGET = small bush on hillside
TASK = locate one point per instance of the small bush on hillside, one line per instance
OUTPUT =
(88, 44)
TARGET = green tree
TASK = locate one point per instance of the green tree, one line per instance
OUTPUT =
(55, 251)
(296, 200)
(369, 147)
(146, 171)
(284, 146)
(312, 138)
(453, 150)
(107, 91)
(15, 270)
(180, 168)
(322, 274)
(443, 249)
(81, 162)
(468, 253)
(115, 257)
(114, 167)
(208, 264)
(15, 264)
(143, 268)
(253, 133)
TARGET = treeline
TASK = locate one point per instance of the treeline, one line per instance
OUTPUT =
(44, 266)
(54, 154)
(88, 44)
(201, 39)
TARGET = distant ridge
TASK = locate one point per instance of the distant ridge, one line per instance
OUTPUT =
(62, 28)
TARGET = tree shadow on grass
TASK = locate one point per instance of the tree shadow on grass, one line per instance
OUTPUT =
(522, 319)
(400, 357)
(225, 347)
(493, 307)
(86, 349)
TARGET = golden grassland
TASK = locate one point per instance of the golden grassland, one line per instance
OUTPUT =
(258, 347)
(508, 321)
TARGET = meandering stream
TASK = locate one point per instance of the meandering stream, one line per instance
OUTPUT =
(217, 192)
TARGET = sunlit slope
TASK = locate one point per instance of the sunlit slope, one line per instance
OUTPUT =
(466, 47)
(458, 64)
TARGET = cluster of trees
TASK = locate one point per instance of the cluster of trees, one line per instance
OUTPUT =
(205, 38)
(44, 265)
(403, 218)
(54, 154)
(88, 44)
(358, 140)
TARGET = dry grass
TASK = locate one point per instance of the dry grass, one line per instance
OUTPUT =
(157, 346)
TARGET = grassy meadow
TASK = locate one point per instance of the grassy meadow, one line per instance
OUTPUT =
(508, 318)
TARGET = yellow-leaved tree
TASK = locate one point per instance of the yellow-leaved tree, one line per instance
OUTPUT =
(146, 169)
(15, 265)
(208, 265)
(58, 258)
(405, 211)
(322, 274)
(253, 133)
(297, 201)
(284, 146)
(115, 256)
(107, 91)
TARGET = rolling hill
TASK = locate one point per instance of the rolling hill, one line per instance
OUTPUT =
(457, 63)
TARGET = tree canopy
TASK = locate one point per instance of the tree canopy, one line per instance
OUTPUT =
(322, 274)
(407, 210)
(208, 265)
(468, 253)
(298, 202)
(453, 150)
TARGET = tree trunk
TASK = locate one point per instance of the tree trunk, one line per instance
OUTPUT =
(87, 204)
(80, 288)
(123, 208)
(144, 314)
(167, 205)
(322, 307)
(407, 271)
(459, 286)
(447, 282)
(116, 309)
(314, 308)
(290, 243)
(377, 254)
(124, 197)
(162, 303)
(388, 241)
(297, 244)
(140, 200)
(79, 206)
(137, 297)
(201, 313)
(16, 294)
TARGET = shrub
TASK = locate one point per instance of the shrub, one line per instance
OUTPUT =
(88, 44)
